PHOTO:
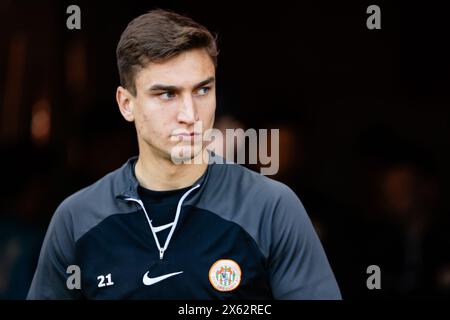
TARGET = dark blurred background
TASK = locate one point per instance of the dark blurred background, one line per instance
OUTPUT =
(363, 118)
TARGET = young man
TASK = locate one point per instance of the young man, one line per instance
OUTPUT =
(160, 229)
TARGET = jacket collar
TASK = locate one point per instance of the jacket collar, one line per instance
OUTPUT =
(127, 183)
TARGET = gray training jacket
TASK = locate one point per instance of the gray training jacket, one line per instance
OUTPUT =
(236, 235)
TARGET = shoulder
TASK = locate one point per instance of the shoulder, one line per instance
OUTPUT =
(90, 195)
(87, 207)
(261, 206)
(241, 182)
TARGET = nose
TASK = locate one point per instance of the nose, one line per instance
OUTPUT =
(188, 111)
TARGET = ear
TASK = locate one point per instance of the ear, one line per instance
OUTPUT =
(125, 101)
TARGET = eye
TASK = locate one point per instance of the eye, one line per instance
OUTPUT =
(168, 95)
(203, 90)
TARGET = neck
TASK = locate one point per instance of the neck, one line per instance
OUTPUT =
(162, 174)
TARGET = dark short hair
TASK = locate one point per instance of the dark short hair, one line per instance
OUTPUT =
(155, 37)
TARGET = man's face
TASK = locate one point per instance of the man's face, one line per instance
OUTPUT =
(172, 98)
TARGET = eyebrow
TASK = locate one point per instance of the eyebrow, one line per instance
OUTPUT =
(163, 87)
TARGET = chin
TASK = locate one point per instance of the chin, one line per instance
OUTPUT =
(186, 154)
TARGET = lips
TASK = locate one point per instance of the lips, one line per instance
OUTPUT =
(186, 135)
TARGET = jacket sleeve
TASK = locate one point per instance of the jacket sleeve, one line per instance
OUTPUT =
(298, 266)
(57, 254)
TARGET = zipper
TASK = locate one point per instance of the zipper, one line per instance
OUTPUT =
(162, 250)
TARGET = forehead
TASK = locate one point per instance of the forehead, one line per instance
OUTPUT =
(183, 70)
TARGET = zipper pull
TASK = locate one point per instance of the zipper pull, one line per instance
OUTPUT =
(161, 253)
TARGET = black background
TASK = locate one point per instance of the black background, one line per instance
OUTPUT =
(355, 102)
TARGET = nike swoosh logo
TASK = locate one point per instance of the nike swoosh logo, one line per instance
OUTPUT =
(150, 281)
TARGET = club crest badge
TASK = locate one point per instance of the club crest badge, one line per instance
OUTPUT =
(225, 275)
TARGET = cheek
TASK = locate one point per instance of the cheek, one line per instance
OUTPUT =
(207, 115)
(142, 123)
(152, 126)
